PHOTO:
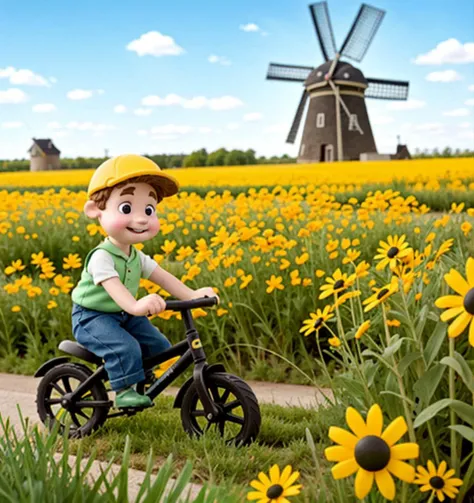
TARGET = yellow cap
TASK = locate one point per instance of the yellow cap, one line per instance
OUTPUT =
(123, 167)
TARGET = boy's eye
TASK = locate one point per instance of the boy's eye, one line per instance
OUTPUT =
(125, 208)
(150, 209)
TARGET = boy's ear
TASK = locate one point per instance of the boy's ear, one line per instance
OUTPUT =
(91, 210)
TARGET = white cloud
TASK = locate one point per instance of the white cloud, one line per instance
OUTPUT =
(381, 119)
(249, 27)
(142, 132)
(44, 108)
(22, 77)
(465, 125)
(89, 126)
(197, 102)
(142, 111)
(444, 76)
(471, 87)
(205, 129)
(406, 105)
(120, 109)
(12, 125)
(252, 116)
(79, 94)
(171, 129)
(13, 96)
(469, 102)
(222, 60)
(457, 112)
(449, 51)
(60, 134)
(232, 126)
(154, 43)
(54, 125)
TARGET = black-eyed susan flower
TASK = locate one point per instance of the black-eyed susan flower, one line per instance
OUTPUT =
(396, 248)
(439, 481)
(459, 306)
(380, 295)
(362, 329)
(337, 284)
(316, 320)
(276, 488)
(371, 453)
(341, 299)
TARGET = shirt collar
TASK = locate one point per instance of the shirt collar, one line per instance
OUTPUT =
(117, 251)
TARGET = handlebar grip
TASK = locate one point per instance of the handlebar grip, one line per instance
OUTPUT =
(181, 305)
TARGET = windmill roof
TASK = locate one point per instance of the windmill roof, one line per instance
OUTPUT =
(46, 145)
(344, 71)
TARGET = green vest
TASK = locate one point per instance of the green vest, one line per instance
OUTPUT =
(95, 297)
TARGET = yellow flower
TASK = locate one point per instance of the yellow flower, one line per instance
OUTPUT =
(444, 248)
(341, 299)
(319, 273)
(52, 304)
(245, 280)
(393, 323)
(380, 295)
(16, 266)
(274, 283)
(169, 246)
(336, 284)
(316, 320)
(230, 281)
(54, 291)
(302, 259)
(307, 281)
(335, 342)
(418, 296)
(63, 283)
(459, 306)
(277, 488)
(466, 227)
(221, 311)
(371, 453)
(362, 269)
(284, 264)
(72, 261)
(395, 248)
(362, 329)
(16, 309)
(439, 481)
(352, 256)
(76, 239)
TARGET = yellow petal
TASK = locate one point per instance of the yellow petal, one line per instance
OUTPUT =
(251, 496)
(431, 468)
(293, 491)
(423, 471)
(451, 313)
(356, 423)
(344, 469)
(471, 334)
(375, 420)
(440, 495)
(442, 468)
(363, 483)
(458, 326)
(385, 484)
(285, 474)
(405, 451)
(449, 301)
(264, 479)
(401, 470)
(275, 474)
(470, 271)
(448, 474)
(293, 477)
(450, 494)
(395, 431)
(256, 484)
(454, 482)
(342, 437)
(456, 282)
(425, 488)
(338, 453)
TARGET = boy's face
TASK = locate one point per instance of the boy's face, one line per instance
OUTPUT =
(130, 214)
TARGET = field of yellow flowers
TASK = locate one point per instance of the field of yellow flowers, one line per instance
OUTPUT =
(312, 290)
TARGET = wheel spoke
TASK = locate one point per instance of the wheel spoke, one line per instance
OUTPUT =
(198, 413)
(232, 405)
(53, 401)
(74, 418)
(58, 388)
(80, 413)
(225, 396)
(214, 392)
(67, 384)
(234, 419)
(90, 404)
(221, 427)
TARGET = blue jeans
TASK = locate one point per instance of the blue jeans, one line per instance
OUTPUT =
(121, 340)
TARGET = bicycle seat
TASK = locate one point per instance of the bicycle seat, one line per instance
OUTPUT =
(75, 349)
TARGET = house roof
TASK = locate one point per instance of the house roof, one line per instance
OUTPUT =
(46, 145)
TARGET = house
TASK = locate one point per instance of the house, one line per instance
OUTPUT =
(44, 155)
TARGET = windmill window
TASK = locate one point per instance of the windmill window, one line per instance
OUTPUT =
(353, 123)
(320, 120)
(346, 75)
(319, 73)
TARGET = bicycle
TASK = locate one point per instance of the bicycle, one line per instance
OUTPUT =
(234, 411)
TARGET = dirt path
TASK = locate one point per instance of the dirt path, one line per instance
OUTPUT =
(21, 390)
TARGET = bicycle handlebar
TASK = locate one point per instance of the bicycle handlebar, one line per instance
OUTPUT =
(181, 305)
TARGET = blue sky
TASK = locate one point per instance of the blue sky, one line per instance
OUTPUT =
(65, 67)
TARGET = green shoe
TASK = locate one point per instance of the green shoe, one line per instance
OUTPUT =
(130, 398)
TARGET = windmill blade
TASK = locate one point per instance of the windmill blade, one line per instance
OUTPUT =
(291, 73)
(296, 121)
(387, 89)
(322, 23)
(362, 32)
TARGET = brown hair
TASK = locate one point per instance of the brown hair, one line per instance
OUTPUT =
(102, 196)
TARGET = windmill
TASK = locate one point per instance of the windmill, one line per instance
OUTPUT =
(328, 133)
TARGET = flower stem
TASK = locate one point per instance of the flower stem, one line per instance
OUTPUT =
(452, 414)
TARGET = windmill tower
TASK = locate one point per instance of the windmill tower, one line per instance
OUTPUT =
(337, 125)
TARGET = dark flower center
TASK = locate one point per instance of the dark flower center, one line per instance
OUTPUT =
(469, 301)
(318, 323)
(372, 453)
(338, 284)
(393, 252)
(274, 491)
(436, 482)
(382, 293)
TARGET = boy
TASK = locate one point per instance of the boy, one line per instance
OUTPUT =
(106, 317)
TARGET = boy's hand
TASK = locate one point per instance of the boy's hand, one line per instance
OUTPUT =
(148, 305)
(207, 291)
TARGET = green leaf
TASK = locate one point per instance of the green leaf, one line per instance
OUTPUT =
(459, 365)
(426, 385)
(435, 342)
(431, 411)
(422, 318)
(464, 431)
(400, 316)
(464, 411)
(394, 346)
(370, 371)
(407, 360)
